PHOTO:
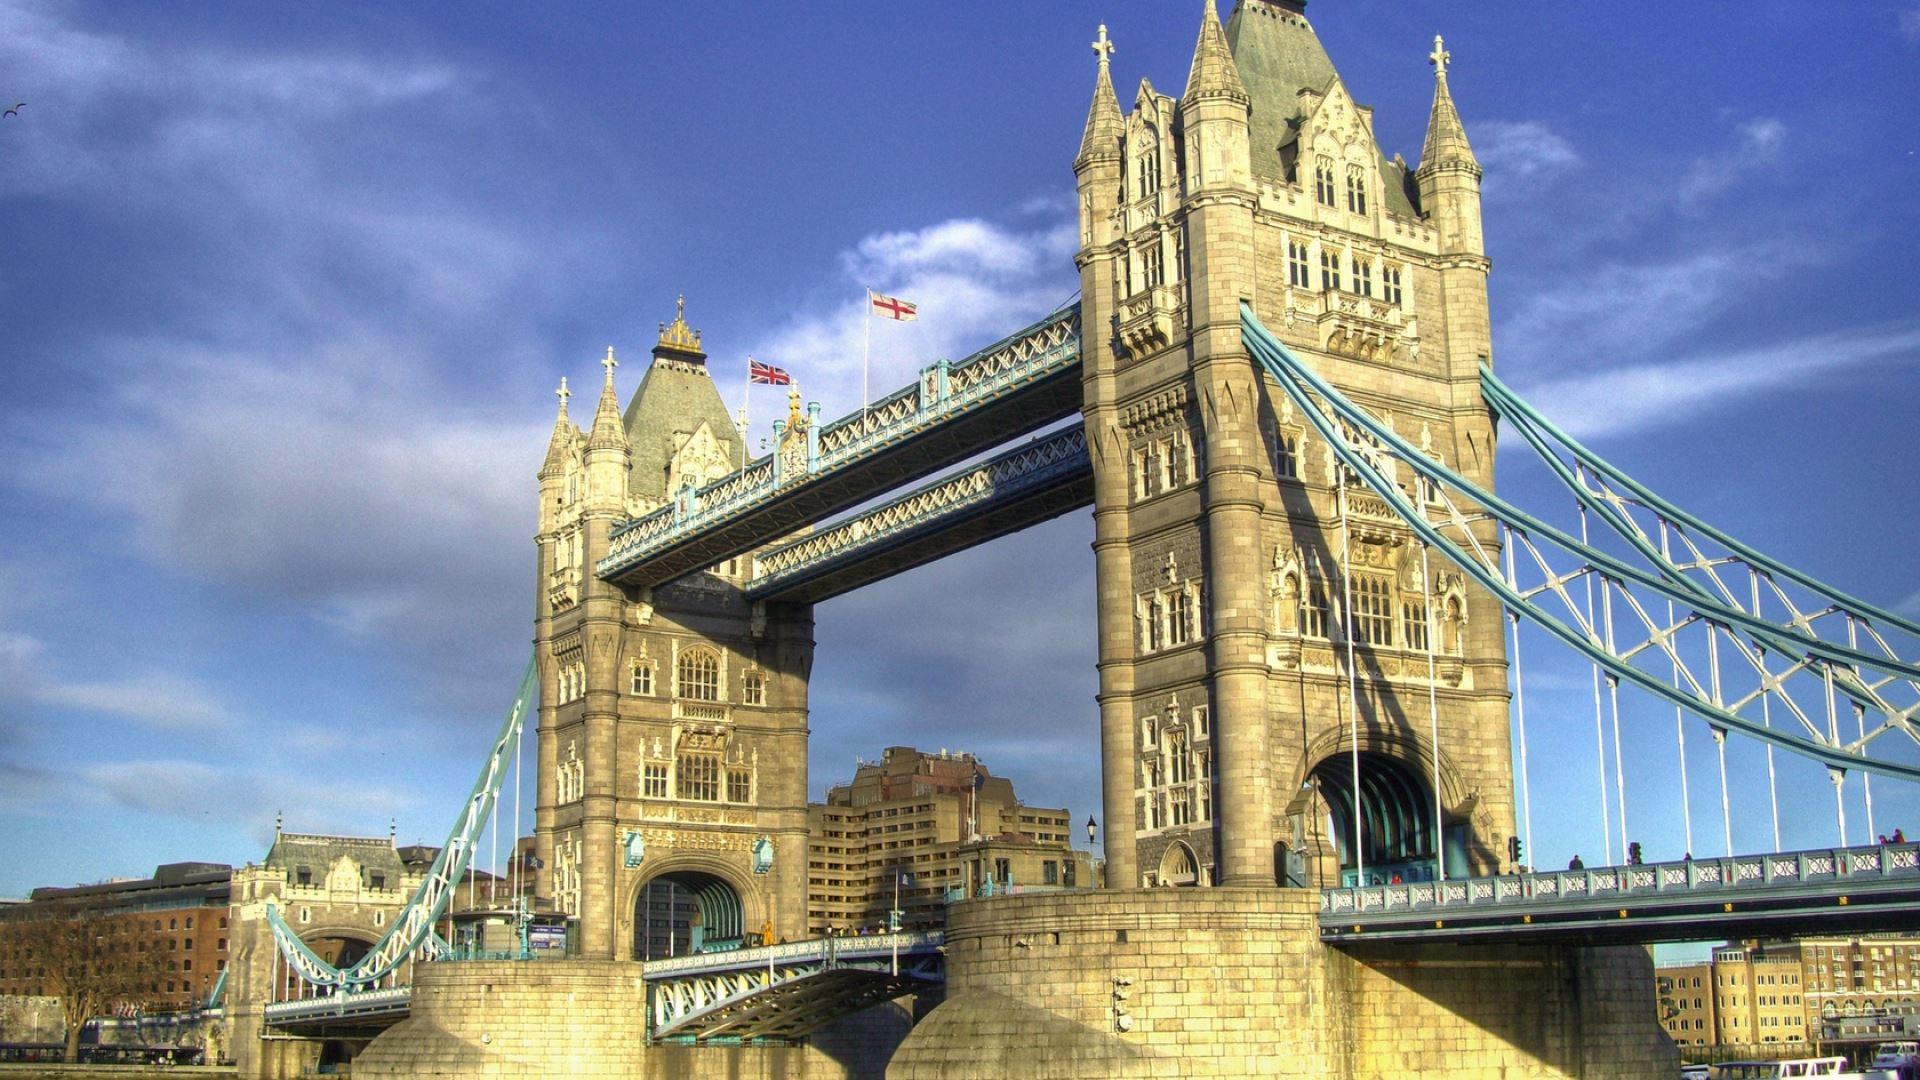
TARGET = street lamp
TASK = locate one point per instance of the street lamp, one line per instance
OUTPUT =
(1090, 828)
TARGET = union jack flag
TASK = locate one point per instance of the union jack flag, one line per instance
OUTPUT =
(766, 374)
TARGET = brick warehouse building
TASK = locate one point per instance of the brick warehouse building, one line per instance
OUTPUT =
(180, 911)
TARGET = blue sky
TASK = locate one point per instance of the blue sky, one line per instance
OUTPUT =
(284, 292)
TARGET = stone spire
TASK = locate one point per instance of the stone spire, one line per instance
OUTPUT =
(561, 444)
(1104, 127)
(1214, 74)
(1446, 136)
(608, 432)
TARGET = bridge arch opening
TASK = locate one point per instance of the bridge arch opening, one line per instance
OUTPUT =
(1395, 807)
(687, 911)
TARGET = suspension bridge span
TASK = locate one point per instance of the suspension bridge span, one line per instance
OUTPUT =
(1276, 393)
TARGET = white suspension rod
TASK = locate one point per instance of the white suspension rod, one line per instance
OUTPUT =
(1520, 705)
(1433, 715)
(1599, 732)
(1353, 687)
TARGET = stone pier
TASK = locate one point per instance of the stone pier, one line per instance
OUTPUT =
(1235, 982)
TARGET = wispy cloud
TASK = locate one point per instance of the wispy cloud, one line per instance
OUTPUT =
(161, 699)
(1909, 24)
(1757, 142)
(1519, 154)
(1635, 397)
(1620, 308)
(198, 792)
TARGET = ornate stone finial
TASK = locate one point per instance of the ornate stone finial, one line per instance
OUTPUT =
(796, 417)
(676, 336)
(1439, 57)
(1103, 46)
(279, 818)
(563, 394)
(609, 363)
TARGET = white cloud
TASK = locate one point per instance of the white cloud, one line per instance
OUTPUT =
(1522, 151)
(196, 791)
(975, 281)
(1622, 399)
(1757, 142)
(159, 698)
(1633, 308)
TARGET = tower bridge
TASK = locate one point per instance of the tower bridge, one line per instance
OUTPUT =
(1312, 706)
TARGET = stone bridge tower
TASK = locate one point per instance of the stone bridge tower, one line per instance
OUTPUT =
(673, 720)
(341, 894)
(1253, 614)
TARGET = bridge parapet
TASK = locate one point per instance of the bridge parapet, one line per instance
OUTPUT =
(944, 392)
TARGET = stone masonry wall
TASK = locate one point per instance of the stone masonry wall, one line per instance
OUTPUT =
(1235, 982)
(585, 1020)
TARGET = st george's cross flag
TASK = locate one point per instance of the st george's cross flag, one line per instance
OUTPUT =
(891, 307)
(767, 374)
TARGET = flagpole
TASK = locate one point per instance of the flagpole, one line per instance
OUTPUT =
(866, 353)
(746, 398)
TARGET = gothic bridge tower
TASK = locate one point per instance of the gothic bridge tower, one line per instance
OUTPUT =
(1238, 696)
(673, 720)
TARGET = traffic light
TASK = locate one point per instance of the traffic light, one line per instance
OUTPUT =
(1633, 853)
(1514, 851)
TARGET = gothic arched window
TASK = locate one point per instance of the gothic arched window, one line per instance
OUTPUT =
(1356, 190)
(699, 675)
(1323, 180)
(753, 689)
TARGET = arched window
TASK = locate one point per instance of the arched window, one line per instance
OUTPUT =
(1298, 272)
(1356, 190)
(642, 678)
(753, 689)
(1323, 180)
(699, 675)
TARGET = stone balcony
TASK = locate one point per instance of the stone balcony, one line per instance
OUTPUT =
(1150, 319)
(1348, 324)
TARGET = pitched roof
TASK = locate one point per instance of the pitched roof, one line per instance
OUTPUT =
(290, 851)
(1279, 55)
(674, 399)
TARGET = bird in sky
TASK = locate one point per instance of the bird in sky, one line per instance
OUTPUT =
(15, 111)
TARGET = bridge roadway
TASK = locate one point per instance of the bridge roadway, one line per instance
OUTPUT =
(1834, 890)
(782, 992)
(955, 411)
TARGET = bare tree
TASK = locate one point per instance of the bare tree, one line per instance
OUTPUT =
(90, 961)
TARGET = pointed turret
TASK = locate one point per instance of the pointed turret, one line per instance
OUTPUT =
(1449, 176)
(608, 433)
(1101, 140)
(1446, 136)
(560, 447)
(1214, 73)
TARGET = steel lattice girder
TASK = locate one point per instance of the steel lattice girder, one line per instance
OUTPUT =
(1367, 447)
(869, 466)
(741, 1003)
(1012, 491)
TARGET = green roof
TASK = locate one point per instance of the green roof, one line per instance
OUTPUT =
(675, 397)
(1279, 55)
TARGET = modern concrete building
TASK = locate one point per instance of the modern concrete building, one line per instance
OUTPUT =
(939, 823)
